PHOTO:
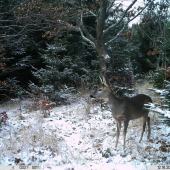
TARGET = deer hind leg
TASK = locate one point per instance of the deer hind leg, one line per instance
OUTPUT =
(124, 132)
(118, 132)
(149, 130)
(144, 125)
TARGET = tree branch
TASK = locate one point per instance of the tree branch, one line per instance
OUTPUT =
(125, 25)
(146, 34)
(101, 18)
(93, 14)
(87, 40)
(111, 4)
(121, 19)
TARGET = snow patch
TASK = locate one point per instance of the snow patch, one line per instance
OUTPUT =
(71, 138)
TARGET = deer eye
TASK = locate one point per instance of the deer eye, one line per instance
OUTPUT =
(100, 90)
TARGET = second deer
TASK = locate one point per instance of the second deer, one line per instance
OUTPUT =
(124, 109)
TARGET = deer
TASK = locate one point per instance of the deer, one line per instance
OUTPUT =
(124, 110)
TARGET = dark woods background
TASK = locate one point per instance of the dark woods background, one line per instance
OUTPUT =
(40, 54)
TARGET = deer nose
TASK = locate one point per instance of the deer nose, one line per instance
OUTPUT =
(92, 96)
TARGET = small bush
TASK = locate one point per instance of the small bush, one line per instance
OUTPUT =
(158, 79)
(9, 89)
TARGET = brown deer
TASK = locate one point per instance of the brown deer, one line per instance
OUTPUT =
(124, 109)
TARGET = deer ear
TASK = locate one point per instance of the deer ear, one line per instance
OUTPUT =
(104, 81)
(101, 79)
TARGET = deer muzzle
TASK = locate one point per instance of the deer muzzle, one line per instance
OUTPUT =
(92, 96)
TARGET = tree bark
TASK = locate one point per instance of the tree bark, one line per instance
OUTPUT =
(104, 60)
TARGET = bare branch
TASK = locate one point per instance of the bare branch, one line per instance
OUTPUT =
(121, 19)
(126, 24)
(88, 35)
(117, 35)
(110, 6)
(139, 12)
(146, 34)
(93, 14)
(87, 40)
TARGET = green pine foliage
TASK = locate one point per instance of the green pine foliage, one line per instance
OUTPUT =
(63, 73)
(163, 73)
(158, 79)
(121, 67)
(167, 93)
(142, 63)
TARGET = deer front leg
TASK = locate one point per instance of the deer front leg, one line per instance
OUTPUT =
(126, 122)
(143, 130)
(149, 130)
(118, 132)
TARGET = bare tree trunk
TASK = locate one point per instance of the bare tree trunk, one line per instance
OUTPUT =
(104, 59)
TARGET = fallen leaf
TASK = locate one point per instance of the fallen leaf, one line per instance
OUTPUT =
(151, 140)
(79, 142)
(163, 148)
(98, 145)
(92, 136)
(17, 160)
(147, 148)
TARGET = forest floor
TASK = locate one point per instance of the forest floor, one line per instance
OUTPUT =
(80, 136)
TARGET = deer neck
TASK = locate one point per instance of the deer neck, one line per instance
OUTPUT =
(112, 101)
(115, 104)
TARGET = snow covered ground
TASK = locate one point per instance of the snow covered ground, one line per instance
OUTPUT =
(79, 136)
